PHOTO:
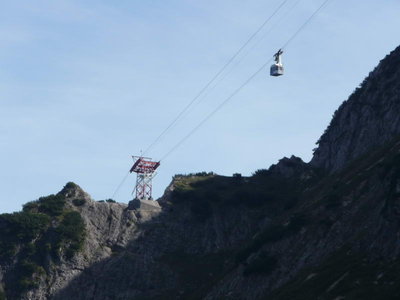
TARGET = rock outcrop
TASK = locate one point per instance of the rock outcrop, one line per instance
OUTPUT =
(368, 119)
(289, 167)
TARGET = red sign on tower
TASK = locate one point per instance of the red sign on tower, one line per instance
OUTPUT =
(145, 170)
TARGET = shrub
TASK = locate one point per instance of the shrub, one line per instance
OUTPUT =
(7, 250)
(51, 205)
(70, 185)
(261, 172)
(29, 236)
(198, 174)
(26, 269)
(2, 295)
(79, 202)
(72, 226)
(111, 201)
(32, 206)
(23, 225)
(26, 284)
(201, 174)
(30, 250)
(71, 232)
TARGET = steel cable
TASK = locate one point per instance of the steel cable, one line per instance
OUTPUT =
(243, 84)
(204, 89)
(232, 94)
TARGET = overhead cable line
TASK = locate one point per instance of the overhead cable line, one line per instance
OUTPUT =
(204, 89)
(231, 95)
(186, 108)
(249, 50)
(120, 185)
(305, 24)
(244, 83)
(263, 37)
(215, 110)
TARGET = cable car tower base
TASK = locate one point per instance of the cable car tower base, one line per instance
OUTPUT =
(145, 170)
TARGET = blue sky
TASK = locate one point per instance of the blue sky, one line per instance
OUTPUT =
(86, 84)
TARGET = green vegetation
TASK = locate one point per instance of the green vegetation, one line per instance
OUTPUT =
(198, 174)
(79, 202)
(26, 270)
(207, 191)
(44, 229)
(52, 205)
(20, 228)
(261, 172)
(107, 201)
(70, 185)
(2, 295)
(65, 238)
(23, 226)
(71, 233)
(189, 190)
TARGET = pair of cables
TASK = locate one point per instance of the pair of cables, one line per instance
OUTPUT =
(203, 91)
(247, 81)
(208, 87)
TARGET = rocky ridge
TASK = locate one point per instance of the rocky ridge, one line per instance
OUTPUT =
(369, 118)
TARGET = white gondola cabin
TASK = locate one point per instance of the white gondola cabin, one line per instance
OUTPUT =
(277, 67)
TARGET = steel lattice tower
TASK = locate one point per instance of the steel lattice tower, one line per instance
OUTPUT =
(145, 170)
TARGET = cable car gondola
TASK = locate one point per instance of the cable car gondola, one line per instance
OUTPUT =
(277, 67)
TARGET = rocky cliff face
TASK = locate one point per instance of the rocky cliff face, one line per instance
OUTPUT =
(324, 230)
(369, 118)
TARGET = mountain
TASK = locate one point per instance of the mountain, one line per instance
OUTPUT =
(328, 229)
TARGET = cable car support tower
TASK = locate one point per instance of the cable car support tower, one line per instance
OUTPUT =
(145, 170)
